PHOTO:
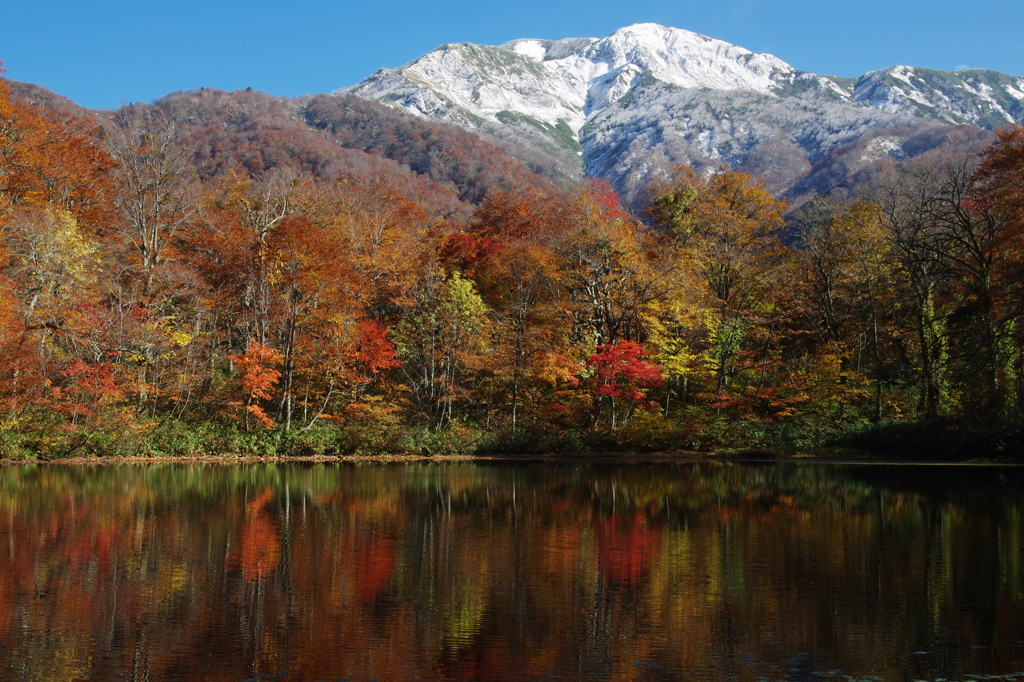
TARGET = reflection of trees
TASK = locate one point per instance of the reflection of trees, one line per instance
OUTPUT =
(476, 571)
(625, 547)
(259, 548)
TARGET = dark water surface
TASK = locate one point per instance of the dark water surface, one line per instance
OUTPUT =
(702, 571)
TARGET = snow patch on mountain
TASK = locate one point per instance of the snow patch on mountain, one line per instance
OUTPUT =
(647, 95)
(883, 146)
(979, 97)
(573, 78)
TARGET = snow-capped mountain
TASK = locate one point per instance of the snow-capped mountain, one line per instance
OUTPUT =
(626, 105)
(988, 99)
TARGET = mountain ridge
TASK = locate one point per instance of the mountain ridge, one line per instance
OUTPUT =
(578, 100)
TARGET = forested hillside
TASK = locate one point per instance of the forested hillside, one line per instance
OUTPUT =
(233, 272)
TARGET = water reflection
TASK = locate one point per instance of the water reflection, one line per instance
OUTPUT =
(661, 571)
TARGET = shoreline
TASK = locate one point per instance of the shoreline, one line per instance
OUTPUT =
(943, 441)
(728, 457)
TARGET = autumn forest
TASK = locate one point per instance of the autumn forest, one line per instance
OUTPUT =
(235, 273)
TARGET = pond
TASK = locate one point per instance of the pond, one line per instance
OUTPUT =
(484, 571)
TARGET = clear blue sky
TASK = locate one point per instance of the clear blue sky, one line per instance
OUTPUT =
(106, 52)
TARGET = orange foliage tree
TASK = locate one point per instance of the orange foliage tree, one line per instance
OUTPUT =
(258, 379)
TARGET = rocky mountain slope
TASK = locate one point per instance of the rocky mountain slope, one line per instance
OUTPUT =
(646, 96)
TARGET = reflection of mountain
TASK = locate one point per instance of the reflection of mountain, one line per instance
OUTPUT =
(626, 105)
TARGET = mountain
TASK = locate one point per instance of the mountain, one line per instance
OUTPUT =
(628, 105)
(441, 166)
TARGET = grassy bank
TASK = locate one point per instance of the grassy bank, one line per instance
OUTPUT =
(941, 440)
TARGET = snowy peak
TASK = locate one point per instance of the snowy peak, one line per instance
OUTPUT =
(569, 77)
(544, 50)
(686, 59)
(573, 79)
(465, 83)
(675, 56)
(647, 95)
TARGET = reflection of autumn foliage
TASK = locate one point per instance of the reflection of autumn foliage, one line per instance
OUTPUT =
(493, 572)
(259, 543)
(625, 546)
(373, 563)
(561, 546)
(96, 546)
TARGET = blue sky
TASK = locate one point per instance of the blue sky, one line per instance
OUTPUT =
(107, 52)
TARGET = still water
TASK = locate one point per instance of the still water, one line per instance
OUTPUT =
(701, 571)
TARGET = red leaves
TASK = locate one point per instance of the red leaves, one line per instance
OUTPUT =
(373, 349)
(608, 198)
(465, 252)
(622, 372)
(89, 386)
(258, 378)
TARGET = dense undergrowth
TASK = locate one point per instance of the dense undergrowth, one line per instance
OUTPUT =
(937, 440)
